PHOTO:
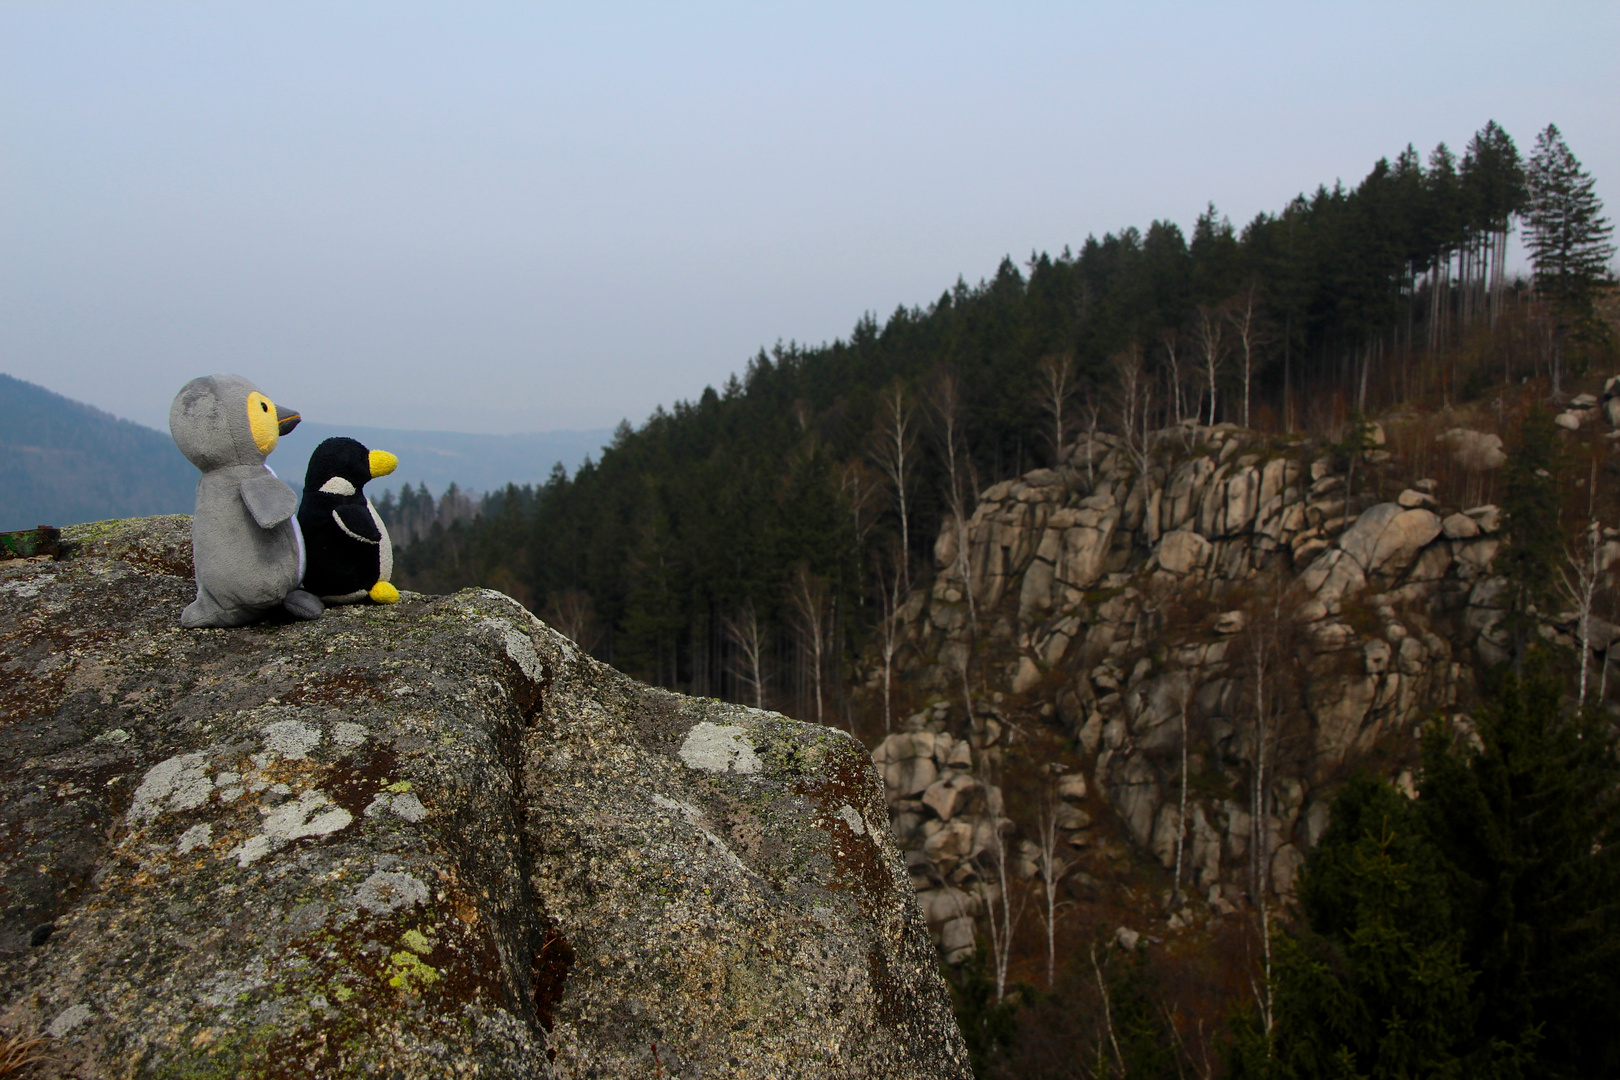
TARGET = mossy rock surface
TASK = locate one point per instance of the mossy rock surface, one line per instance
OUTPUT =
(427, 839)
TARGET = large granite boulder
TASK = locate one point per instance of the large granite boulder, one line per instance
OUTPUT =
(431, 839)
(1387, 537)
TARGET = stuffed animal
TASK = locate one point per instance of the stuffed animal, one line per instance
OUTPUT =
(350, 555)
(245, 543)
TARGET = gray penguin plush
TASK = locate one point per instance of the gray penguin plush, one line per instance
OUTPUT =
(245, 543)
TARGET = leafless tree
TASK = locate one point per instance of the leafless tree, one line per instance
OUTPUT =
(573, 616)
(1267, 651)
(1172, 342)
(1580, 579)
(861, 488)
(747, 662)
(894, 448)
(1053, 866)
(1210, 331)
(808, 596)
(1092, 414)
(1056, 379)
(999, 912)
(1181, 822)
(1108, 1012)
(1134, 389)
(1245, 324)
(945, 395)
(892, 587)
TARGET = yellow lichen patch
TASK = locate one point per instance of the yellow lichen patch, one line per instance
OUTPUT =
(410, 974)
(341, 993)
(400, 787)
(417, 942)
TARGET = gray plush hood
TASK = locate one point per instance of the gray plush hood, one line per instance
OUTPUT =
(209, 422)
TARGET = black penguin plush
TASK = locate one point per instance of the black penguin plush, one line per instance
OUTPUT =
(350, 556)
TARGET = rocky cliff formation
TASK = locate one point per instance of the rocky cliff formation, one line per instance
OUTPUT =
(431, 839)
(1220, 625)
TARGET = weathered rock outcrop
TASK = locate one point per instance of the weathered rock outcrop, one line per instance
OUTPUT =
(1127, 606)
(424, 840)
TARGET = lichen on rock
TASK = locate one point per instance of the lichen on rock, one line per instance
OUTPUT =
(425, 839)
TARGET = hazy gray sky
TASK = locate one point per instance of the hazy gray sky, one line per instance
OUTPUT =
(502, 218)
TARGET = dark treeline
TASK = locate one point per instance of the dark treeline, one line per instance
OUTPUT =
(738, 545)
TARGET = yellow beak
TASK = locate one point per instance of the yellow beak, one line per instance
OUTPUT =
(383, 463)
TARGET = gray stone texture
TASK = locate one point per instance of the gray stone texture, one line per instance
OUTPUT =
(424, 840)
(1116, 602)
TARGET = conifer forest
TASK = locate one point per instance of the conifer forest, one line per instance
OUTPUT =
(1199, 859)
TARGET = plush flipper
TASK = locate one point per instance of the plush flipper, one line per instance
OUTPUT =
(303, 605)
(269, 500)
(207, 611)
(358, 523)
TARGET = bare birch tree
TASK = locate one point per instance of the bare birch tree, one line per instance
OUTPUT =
(1056, 380)
(894, 449)
(999, 913)
(1053, 866)
(1260, 805)
(747, 662)
(1181, 821)
(862, 492)
(1210, 331)
(808, 596)
(1267, 654)
(1172, 343)
(1134, 401)
(1242, 316)
(945, 396)
(1108, 1015)
(1580, 578)
(1092, 414)
(574, 616)
(891, 574)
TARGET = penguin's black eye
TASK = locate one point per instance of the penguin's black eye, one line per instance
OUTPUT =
(264, 407)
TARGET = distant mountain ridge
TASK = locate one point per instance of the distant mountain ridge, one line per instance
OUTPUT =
(63, 462)
(474, 463)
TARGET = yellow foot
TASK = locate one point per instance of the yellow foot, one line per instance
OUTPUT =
(384, 593)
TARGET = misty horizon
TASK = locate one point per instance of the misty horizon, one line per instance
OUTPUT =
(513, 220)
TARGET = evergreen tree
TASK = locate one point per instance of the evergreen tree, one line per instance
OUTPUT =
(1567, 234)
(1535, 541)
(989, 1027)
(1373, 985)
(1526, 816)
(1496, 182)
(1473, 932)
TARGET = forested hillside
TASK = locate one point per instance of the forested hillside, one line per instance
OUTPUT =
(1230, 616)
(769, 514)
(62, 462)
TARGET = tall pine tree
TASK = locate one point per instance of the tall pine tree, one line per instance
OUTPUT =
(1567, 235)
